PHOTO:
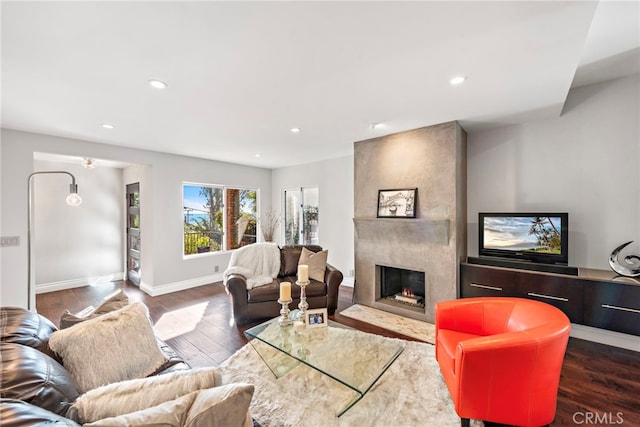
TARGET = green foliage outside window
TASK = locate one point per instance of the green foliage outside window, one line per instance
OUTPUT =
(204, 217)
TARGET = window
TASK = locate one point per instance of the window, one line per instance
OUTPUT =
(301, 216)
(218, 218)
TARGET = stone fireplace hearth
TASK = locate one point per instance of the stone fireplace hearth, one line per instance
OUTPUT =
(433, 160)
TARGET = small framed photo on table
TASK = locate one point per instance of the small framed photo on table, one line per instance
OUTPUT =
(316, 318)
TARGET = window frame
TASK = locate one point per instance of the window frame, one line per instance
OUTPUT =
(300, 216)
(224, 230)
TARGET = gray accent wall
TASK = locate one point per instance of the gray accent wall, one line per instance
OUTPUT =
(433, 160)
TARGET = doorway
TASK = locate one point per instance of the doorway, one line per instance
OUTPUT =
(301, 216)
(133, 233)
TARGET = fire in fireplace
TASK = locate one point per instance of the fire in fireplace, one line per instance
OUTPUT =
(398, 285)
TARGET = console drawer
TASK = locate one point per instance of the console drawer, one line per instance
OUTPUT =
(478, 281)
(564, 293)
(612, 306)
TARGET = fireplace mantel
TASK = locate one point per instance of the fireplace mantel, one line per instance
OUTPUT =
(403, 230)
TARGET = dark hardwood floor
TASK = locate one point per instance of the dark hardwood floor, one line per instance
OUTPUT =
(599, 385)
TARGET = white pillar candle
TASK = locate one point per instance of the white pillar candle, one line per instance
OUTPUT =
(303, 273)
(285, 291)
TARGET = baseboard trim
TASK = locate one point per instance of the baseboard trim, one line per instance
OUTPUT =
(168, 288)
(603, 336)
(44, 288)
(349, 281)
(145, 287)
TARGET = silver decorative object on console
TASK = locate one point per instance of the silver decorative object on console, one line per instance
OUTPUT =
(303, 305)
(284, 320)
(629, 266)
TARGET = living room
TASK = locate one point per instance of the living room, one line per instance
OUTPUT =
(578, 153)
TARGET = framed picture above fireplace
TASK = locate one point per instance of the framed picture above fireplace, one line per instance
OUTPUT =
(398, 203)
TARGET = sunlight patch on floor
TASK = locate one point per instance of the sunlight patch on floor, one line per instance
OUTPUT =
(179, 322)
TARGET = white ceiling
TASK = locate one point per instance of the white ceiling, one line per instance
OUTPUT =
(242, 74)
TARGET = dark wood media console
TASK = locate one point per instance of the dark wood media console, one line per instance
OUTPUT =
(594, 298)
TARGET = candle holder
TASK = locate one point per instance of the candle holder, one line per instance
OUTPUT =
(284, 320)
(285, 344)
(303, 352)
(303, 305)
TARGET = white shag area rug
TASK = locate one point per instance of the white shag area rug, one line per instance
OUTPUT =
(410, 393)
(411, 327)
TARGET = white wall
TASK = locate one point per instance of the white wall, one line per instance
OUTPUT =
(334, 179)
(585, 162)
(168, 175)
(163, 221)
(73, 245)
(2, 250)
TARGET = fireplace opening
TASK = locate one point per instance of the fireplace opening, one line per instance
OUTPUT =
(400, 286)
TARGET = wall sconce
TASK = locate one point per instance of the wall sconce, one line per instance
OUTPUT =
(73, 199)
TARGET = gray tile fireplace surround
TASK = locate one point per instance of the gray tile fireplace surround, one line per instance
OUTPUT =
(432, 159)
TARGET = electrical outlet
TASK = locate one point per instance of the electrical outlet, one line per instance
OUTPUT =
(9, 241)
(216, 268)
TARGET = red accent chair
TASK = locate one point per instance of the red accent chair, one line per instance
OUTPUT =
(501, 358)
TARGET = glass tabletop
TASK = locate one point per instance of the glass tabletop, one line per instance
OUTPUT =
(353, 358)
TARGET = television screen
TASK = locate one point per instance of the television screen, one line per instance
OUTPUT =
(539, 237)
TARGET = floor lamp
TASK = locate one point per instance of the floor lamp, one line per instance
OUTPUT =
(73, 199)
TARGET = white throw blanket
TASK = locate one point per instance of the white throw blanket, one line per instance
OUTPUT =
(259, 263)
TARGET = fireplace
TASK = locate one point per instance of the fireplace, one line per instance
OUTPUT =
(433, 160)
(400, 286)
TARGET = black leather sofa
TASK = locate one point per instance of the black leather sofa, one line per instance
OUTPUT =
(35, 389)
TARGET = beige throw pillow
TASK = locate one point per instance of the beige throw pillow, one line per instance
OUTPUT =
(129, 396)
(113, 347)
(167, 414)
(111, 302)
(317, 262)
(226, 405)
(218, 406)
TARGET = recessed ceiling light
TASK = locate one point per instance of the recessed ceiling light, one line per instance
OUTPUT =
(457, 80)
(375, 125)
(158, 84)
(88, 163)
(107, 125)
(295, 130)
(258, 155)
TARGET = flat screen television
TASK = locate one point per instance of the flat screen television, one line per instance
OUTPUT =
(540, 237)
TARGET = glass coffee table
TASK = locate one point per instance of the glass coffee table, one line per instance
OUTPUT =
(352, 358)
